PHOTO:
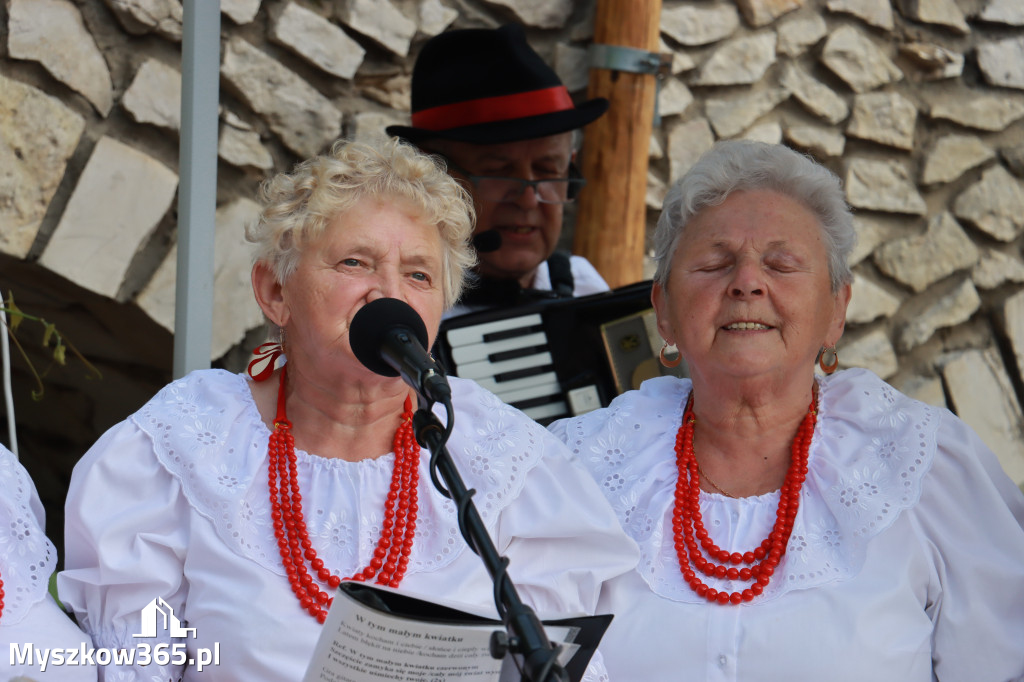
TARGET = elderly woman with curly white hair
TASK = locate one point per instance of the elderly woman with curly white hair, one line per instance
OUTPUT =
(792, 526)
(243, 501)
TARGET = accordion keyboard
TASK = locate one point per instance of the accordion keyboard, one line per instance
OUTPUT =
(511, 358)
(556, 358)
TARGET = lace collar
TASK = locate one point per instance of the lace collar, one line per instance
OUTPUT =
(872, 447)
(206, 431)
(27, 557)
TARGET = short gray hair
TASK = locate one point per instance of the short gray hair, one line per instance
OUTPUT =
(733, 165)
(299, 205)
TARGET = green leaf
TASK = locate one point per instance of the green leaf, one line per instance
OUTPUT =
(14, 314)
(59, 352)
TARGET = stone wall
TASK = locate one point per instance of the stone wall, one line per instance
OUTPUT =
(916, 104)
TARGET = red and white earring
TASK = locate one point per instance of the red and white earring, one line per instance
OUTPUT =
(265, 361)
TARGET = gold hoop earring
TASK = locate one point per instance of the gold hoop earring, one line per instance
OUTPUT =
(831, 366)
(665, 361)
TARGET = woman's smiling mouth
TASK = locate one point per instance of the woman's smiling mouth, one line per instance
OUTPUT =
(746, 326)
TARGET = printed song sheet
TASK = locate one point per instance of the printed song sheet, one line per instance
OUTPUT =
(374, 633)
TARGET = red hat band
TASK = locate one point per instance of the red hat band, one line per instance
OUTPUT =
(493, 109)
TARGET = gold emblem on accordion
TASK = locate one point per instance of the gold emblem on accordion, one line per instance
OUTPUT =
(629, 342)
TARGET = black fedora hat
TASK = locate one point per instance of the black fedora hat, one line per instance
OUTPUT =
(489, 86)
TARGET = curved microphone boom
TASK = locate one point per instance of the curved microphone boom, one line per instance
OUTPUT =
(487, 241)
(390, 339)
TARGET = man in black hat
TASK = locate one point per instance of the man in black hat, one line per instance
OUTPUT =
(503, 121)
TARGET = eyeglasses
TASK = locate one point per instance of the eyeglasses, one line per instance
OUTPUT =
(493, 188)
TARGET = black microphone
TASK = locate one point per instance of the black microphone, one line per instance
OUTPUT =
(390, 339)
(487, 241)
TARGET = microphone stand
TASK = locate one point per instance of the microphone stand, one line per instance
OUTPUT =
(524, 632)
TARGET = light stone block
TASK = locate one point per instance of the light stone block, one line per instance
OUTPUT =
(380, 21)
(939, 12)
(1009, 12)
(919, 261)
(869, 301)
(139, 17)
(875, 12)
(815, 96)
(870, 233)
(243, 148)
(994, 204)
(739, 61)
(882, 186)
(539, 13)
(305, 120)
(317, 40)
(154, 96)
(763, 12)
(686, 142)
(120, 198)
(982, 395)
(855, 58)
(1002, 62)
(872, 351)
(674, 98)
(38, 134)
(947, 310)
(235, 311)
(572, 66)
(951, 156)
(693, 25)
(977, 109)
(884, 117)
(435, 17)
(53, 33)
(730, 116)
(769, 132)
(798, 33)
(995, 268)
(240, 11)
(820, 141)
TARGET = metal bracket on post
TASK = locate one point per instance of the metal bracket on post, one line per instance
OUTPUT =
(632, 60)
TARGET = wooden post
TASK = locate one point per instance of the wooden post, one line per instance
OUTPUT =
(611, 221)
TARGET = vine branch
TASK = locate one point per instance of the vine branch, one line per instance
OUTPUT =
(51, 334)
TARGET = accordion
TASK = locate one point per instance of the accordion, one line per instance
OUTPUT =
(557, 358)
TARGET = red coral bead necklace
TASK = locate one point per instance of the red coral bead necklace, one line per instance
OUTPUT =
(391, 556)
(691, 536)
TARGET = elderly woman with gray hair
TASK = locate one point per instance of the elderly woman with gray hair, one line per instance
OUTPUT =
(793, 525)
(241, 502)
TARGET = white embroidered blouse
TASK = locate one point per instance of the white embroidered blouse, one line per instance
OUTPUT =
(31, 621)
(173, 503)
(905, 564)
